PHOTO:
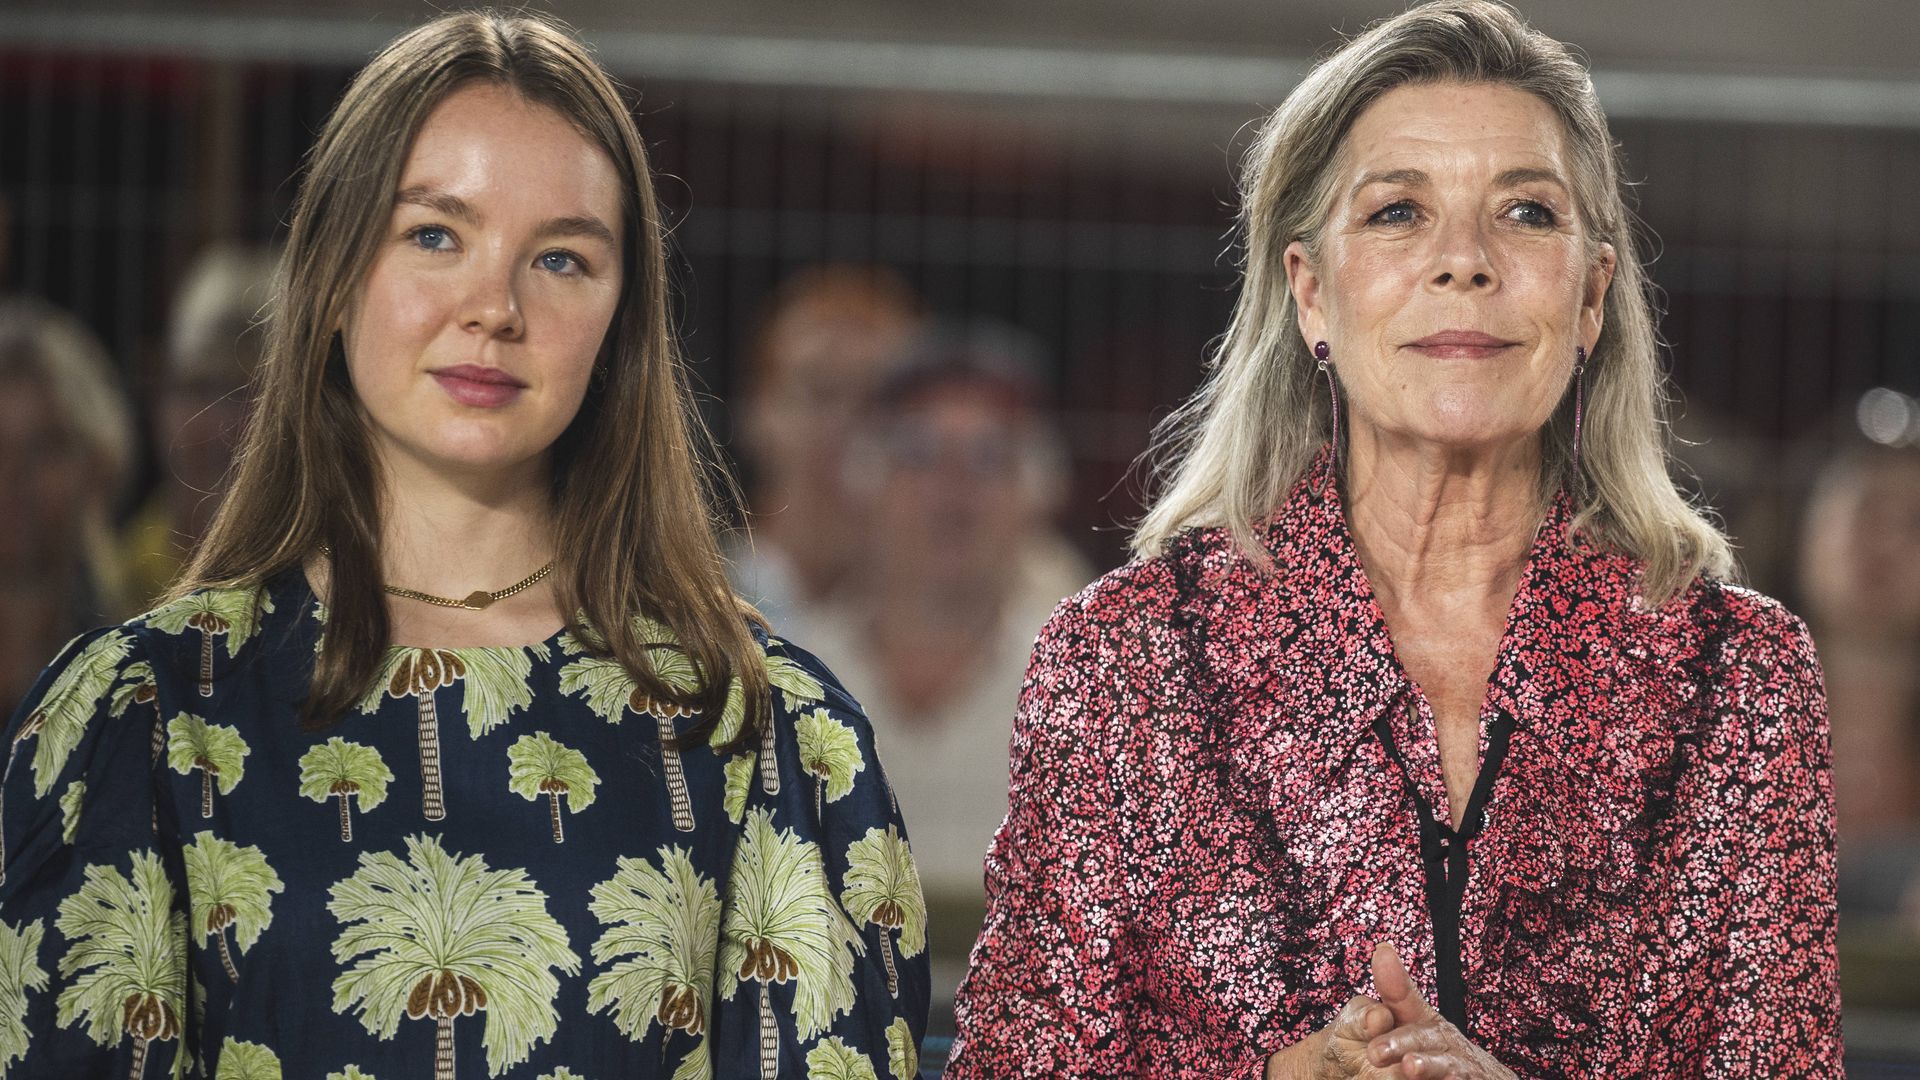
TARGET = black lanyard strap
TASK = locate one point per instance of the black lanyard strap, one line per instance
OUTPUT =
(1443, 857)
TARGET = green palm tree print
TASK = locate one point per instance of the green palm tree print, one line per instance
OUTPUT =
(833, 1059)
(437, 937)
(232, 886)
(903, 1055)
(338, 769)
(563, 1073)
(883, 888)
(70, 801)
(126, 960)
(783, 926)
(831, 752)
(611, 693)
(495, 681)
(537, 765)
(247, 1061)
(231, 613)
(20, 971)
(351, 1072)
(739, 779)
(217, 751)
(64, 713)
(663, 930)
(798, 689)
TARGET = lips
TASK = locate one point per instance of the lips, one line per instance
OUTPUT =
(1461, 345)
(477, 386)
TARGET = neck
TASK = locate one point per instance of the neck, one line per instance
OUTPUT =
(449, 534)
(1437, 525)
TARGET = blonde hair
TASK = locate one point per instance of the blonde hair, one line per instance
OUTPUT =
(1229, 455)
(634, 480)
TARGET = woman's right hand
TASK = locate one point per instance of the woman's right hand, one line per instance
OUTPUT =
(1339, 1050)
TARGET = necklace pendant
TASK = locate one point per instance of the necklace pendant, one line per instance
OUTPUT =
(477, 600)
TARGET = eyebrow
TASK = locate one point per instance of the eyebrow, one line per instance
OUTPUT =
(456, 207)
(1416, 178)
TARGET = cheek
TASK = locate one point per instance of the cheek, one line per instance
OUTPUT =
(393, 320)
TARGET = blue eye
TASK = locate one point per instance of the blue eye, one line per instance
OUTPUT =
(565, 263)
(1399, 213)
(1533, 214)
(431, 238)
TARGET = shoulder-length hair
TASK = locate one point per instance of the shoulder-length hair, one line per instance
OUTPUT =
(634, 485)
(1230, 453)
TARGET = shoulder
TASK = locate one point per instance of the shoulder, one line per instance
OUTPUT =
(1758, 659)
(1144, 597)
(801, 680)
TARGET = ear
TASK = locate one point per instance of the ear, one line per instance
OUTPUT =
(1593, 305)
(1303, 279)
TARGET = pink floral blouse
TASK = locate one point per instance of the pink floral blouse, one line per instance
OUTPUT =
(1208, 832)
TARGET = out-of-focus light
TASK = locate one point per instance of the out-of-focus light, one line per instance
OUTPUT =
(1888, 417)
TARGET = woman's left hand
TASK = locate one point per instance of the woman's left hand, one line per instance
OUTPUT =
(1422, 1043)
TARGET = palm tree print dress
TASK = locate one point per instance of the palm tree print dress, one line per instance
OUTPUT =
(496, 865)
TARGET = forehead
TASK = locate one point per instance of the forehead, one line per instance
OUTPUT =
(1451, 126)
(488, 145)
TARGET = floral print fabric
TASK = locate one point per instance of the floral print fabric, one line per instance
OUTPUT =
(1206, 838)
(498, 865)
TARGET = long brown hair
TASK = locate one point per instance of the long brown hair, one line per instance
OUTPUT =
(634, 485)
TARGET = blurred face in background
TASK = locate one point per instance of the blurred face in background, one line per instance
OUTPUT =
(948, 483)
(829, 337)
(472, 340)
(49, 479)
(1860, 565)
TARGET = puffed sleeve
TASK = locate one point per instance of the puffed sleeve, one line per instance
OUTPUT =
(823, 968)
(92, 905)
(1753, 922)
(1051, 984)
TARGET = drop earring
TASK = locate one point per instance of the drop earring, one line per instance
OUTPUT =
(1579, 403)
(1321, 354)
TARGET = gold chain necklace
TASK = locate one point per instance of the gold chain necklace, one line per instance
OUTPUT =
(476, 600)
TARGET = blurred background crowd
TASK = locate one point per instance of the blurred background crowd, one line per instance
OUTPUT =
(941, 269)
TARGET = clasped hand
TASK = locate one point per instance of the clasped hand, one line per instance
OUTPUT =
(1397, 1035)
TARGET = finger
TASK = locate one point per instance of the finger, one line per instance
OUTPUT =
(1402, 1041)
(1360, 1019)
(1396, 988)
(1427, 1067)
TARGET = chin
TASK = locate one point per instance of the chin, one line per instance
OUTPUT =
(1472, 419)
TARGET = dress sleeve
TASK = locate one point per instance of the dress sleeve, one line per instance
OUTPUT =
(92, 905)
(1753, 922)
(823, 967)
(1051, 986)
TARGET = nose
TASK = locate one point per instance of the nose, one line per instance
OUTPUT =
(1461, 258)
(492, 303)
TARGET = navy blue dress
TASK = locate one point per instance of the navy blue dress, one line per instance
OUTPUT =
(495, 866)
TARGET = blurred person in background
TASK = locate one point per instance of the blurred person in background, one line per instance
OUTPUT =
(66, 449)
(1860, 579)
(957, 474)
(199, 408)
(823, 344)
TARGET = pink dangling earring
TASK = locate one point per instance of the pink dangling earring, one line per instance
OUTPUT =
(1579, 403)
(1321, 353)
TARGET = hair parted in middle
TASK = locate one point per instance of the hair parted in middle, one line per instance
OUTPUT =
(1229, 455)
(634, 485)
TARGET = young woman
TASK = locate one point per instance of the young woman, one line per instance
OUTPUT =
(454, 749)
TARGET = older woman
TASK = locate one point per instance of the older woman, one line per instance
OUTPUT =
(1425, 669)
